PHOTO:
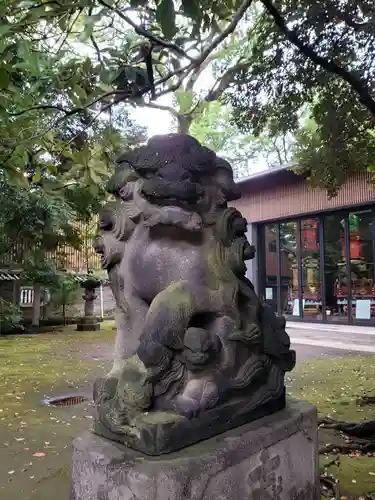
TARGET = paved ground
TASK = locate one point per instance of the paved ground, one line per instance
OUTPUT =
(305, 352)
(336, 340)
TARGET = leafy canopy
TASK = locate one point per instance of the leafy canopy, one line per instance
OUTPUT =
(311, 72)
(70, 68)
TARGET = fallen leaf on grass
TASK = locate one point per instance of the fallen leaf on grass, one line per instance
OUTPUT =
(39, 454)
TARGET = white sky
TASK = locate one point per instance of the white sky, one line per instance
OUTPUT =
(155, 120)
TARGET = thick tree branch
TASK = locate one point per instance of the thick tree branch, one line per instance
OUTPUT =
(65, 36)
(154, 105)
(360, 88)
(195, 66)
(225, 80)
(225, 33)
(40, 107)
(147, 34)
(197, 73)
(97, 50)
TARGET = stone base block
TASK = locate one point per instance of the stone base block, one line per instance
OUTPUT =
(158, 433)
(273, 458)
(88, 325)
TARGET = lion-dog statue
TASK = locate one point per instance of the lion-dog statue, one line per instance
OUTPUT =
(194, 343)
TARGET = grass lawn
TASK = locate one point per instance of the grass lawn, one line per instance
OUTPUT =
(334, 386)
(32, 367)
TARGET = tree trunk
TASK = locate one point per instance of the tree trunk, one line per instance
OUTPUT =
(36, 305)
(184, 122)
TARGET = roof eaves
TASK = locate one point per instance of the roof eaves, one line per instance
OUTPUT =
(265, 173)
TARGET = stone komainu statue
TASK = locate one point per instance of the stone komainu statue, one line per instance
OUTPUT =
(196, 352)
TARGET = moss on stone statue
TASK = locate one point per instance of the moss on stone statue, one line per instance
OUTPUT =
(160, 417)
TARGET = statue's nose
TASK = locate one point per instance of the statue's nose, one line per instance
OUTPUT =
(98, 245)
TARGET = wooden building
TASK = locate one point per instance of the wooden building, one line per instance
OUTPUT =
(315, 255)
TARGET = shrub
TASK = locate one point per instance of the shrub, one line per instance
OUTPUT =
(10, 316)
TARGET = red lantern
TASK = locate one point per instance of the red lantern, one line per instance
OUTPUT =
(310, 235)
(356, 250)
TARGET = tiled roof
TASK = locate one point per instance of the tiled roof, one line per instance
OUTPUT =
(265, 173)
(8, 276)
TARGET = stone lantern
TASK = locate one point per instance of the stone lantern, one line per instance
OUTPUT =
(89, 322)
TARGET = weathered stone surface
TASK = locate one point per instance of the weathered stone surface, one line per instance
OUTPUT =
(84, 326)
(201, 340)
(156, 433)
(273, 458)
(88, 324)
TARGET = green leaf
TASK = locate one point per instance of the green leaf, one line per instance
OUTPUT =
(166, 16)
(191, 8)
(109, 76)
(38, 174)
(52, 168)
(82, 96)
(94, 177)
(63, 22)
(89, 28)
(31, 62)
(201, 107)
(105, 87)
(5, 29)
(87, 65)
(4, 79)
(185, 100)
(4, 100)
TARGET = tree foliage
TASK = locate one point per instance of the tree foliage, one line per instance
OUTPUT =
(52, 90)
(308, 64)
(35, 227)
(36, 219)
(10, 317)
(213, 128)
(68, 66)
(69, 70)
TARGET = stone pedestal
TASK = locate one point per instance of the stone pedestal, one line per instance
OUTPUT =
(88, 324)
(273, 458)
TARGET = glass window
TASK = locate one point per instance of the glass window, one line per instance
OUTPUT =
(310, 255)
(361, 266)
(289, 269)
(336, 285)
(343, 233)
(270, 292)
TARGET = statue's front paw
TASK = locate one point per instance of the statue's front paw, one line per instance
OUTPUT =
(104, 389)
(187, 407)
